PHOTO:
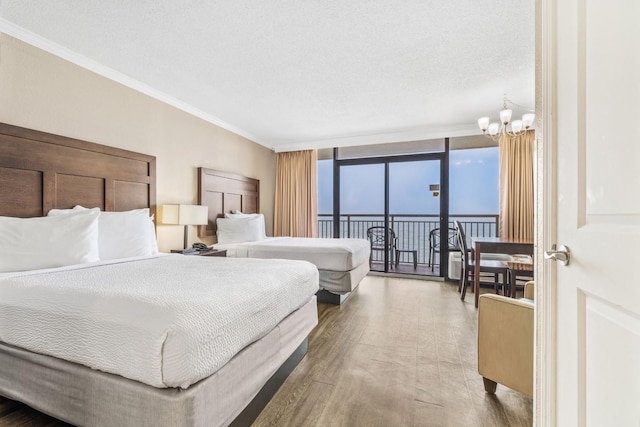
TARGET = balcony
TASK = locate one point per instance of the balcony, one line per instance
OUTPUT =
(412, 232)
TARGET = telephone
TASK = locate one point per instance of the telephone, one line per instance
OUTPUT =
(200, 247)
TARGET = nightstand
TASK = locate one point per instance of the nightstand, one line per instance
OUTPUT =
(210, 252)
(214, 252)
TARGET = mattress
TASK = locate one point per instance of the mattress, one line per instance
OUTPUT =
(166, 322)
(326, 254)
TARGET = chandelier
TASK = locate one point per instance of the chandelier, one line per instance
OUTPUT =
(506, 126)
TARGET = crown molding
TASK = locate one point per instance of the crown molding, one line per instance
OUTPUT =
(82, 61)
(379, 138)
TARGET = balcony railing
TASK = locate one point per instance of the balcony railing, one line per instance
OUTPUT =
(412, 230)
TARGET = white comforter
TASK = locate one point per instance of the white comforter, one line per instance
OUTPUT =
(167, 321)
(326, 254)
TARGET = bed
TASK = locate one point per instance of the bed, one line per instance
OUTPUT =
(146, 342)
(342, 263)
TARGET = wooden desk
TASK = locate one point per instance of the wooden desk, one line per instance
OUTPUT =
(496, 245)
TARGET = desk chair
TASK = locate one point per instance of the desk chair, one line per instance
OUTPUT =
(467, 265)
(518, 270)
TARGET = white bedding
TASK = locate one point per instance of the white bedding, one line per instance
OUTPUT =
(165, 321)
(326, 254)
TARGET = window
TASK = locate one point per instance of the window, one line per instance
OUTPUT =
(474, 181)
(325, 198)
(474, 194)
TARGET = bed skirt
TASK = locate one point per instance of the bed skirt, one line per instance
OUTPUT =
(82, 396)
(342, 282)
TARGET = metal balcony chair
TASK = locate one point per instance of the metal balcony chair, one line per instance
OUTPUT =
(376, 236)
(434, 244)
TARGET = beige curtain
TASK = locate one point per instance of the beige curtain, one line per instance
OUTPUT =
(516, 186)
(296, 206)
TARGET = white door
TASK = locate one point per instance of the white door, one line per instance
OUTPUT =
(597, 202)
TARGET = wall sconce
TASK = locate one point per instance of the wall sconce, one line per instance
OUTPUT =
(182, 215)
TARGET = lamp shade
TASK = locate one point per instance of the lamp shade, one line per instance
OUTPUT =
(494, 128)
(516, 126)
(505, 116)
(183, 214)
(483, 123)
(527, 120)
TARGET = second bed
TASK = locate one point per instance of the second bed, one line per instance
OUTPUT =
(342, 263)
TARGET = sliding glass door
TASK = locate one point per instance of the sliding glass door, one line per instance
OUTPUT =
(414, 215)
(362, 205)
(396, 203)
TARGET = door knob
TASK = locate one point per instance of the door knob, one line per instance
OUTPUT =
(563, 254)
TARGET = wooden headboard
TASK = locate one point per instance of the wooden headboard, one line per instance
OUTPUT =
(40, 171)
(224, 193)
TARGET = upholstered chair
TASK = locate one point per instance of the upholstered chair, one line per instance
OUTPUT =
(505, 341)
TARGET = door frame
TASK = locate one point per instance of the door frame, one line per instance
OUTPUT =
(545, 213)
(441, 156)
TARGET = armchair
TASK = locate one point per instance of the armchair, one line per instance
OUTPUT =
(505, 341)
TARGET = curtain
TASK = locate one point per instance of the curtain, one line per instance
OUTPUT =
(296, 205)
(516, 186)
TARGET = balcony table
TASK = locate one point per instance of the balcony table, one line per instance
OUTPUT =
(496, 245)
(413, 252)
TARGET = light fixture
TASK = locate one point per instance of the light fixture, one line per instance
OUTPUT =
(183, 215)
(506, 126)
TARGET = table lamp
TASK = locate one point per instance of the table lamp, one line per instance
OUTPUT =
(183, 215)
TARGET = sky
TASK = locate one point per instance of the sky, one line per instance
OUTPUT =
(473, 180)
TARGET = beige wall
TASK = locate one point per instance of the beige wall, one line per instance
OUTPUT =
(41, 91)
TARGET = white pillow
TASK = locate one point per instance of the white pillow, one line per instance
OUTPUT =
(239, 230)
(47, 242)
(238, 214)
(126, 234)
(122, 234)
(258, 217)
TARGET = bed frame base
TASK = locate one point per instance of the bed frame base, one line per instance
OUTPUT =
(253, 409)
(245, 418)
(331, 298)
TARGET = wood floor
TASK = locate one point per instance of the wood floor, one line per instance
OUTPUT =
(399, 352)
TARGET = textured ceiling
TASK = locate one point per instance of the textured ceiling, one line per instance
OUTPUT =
(291, 74)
